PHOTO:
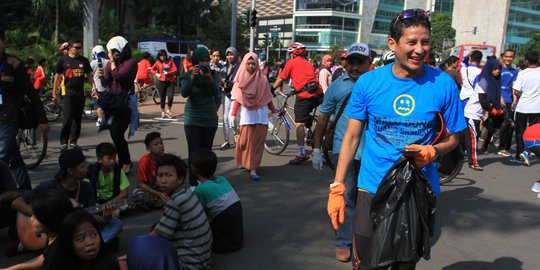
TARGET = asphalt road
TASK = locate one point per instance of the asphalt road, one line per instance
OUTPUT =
(485, 220)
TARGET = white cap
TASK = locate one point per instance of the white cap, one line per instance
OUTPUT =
(361, 49)
(117, 42)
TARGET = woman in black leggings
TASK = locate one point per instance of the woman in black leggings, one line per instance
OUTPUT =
(165, 69)
(119, 75)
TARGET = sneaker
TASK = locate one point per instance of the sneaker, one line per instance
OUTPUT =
(63, 147)
(298, 159)
(163, 115)
(74, 146)
(254, 176)
(168, 114)
(536, 187)
(98, 122)
(516, 160)
(504, 153)
(225, 146)
(343, 255)
(525, 157)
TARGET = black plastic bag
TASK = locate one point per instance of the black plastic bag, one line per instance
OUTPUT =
(403, 213)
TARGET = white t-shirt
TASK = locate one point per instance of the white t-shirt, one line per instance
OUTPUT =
(528, 83)
(473, 109)
(94, 65)
(468, 75)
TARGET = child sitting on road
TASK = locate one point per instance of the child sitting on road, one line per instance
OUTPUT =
(106, 176)
(184, 222)
(146, 174)
(220, 202)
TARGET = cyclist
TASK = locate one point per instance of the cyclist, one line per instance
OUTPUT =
(388, 58)
(14, 85)
(308, 93)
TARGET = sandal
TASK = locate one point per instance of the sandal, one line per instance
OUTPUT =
(476, 167)
(298, 159)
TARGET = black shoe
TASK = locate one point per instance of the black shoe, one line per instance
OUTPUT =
(225, 146)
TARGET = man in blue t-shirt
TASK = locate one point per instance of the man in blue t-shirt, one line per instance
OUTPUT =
(399, 103)
(508, 77)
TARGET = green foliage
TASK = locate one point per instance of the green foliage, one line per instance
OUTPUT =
(336, 51)
(441, 29)
(532, 45)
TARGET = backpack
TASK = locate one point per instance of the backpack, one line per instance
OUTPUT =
(93, 175)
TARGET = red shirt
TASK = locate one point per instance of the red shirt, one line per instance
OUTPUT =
(301, 71)
(188, 64)
(142, 70)
(39, 78)
(532, 133)
(147, 171)
(159, 66)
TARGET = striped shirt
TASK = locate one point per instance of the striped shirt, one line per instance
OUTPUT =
(216, 196)
(185, 224)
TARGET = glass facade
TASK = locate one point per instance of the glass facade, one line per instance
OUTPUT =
(444, 6)
(523, 22)
(386, 11)
(333, 5)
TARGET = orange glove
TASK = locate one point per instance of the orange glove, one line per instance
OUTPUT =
(496, 112)
(336, 204)
(426, 155)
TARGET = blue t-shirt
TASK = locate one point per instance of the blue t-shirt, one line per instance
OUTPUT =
(508, 76)
(400, 112)
(333, 99)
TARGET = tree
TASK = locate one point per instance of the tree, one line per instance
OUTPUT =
(532, 45)
(42, 6)
(441, 30)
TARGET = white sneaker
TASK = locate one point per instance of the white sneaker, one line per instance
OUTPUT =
(536, 187)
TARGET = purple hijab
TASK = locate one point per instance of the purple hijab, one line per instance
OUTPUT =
(490, 83)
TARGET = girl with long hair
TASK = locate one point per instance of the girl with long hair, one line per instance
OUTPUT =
(165, 69)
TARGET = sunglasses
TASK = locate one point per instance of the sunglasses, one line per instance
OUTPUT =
(410, 14)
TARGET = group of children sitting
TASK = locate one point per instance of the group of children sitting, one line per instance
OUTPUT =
(195, 221)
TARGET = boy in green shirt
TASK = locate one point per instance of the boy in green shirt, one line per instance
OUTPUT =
(108, 179)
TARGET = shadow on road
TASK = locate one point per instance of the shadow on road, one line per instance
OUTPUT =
(508, 263)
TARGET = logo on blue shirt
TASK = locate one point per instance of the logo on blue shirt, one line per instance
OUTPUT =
(404, 105)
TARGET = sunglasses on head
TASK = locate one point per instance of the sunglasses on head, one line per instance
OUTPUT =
(411, 13)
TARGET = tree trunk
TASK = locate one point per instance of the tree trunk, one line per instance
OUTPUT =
(90, 25)
(56, 35)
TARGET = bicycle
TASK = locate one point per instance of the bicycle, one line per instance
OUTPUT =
(53, 109)
(277, 138)
(32, 146)
(146, 90)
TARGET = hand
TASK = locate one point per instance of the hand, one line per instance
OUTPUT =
(54, 97)
(196, 71)
(317, 159)
(158, 75)
(496, 112)
(165, 73)
(99, 72)
(107, 210)
(426, 155)
(231, 121)
(164, 198)
(336, 204)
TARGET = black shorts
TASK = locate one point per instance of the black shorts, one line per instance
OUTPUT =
(362, 233)
(304, 106)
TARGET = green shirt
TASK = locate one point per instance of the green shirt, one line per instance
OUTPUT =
(104, 185)
(201, 107)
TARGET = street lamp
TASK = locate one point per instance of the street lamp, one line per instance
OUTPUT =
(344, 5)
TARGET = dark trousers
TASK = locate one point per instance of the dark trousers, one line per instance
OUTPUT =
(491, 124)
(10, 154)
(470, 137)
(8, 218)
(507, 129)
(71, 124)
(198, 137)
(117, 130)
(522, 121)
(165, 90)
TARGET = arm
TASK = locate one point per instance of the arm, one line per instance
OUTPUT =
(34, 263)
(517, 95)
(122, 195)
(277, 83)
(163, 197)
(271, 107)
(236, 106)
(349, 145)
(484, 102)
(447, 144)
(174, 69)
(186, 84)
(21, 206)
(322, 121)
(126, 72)
(155, 68)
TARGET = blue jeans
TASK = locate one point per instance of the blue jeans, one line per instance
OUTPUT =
(9, 153)
(343, 236)
(227, 107)
(134, 119)
(111, 229)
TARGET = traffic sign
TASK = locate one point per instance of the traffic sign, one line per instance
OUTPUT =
(275, 28)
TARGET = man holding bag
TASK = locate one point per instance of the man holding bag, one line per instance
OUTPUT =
(400, 104)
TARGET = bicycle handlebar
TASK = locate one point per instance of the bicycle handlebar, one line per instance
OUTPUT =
(280, 93)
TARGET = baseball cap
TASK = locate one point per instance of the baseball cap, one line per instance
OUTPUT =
(343, 55)
(117, 42)
(69, 159)
(358, 49)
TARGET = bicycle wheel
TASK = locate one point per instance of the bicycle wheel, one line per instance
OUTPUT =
(53, 110)
(142, 96)
(155, 95)
(277, 137)
(33, 146)
(89, 112)
(449, 165)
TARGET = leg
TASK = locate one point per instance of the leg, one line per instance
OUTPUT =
(9, 154)
(226, 107)
(162, 88)
(134, 118)
(194, 142)
(208, 137)
(67, 119)
(170, 95)
(111, 229)
(117, 130)
(362, 231)
(78, 107)
(507, 128)
(471, 138)
(521, 125)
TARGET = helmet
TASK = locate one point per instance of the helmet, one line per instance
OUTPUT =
(64, 46)
(388, 57)
(97, 50)
(297, 48)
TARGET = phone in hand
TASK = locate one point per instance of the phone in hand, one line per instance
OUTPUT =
(405, 150)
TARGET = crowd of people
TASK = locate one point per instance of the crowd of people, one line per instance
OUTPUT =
(79, 210)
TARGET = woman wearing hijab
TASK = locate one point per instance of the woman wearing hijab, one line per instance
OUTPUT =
(251, 94)
(486, 100)
(151, 253)
(325, 75)
(200, 87)
(119, 75)
(229, 72)
(489, 81)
